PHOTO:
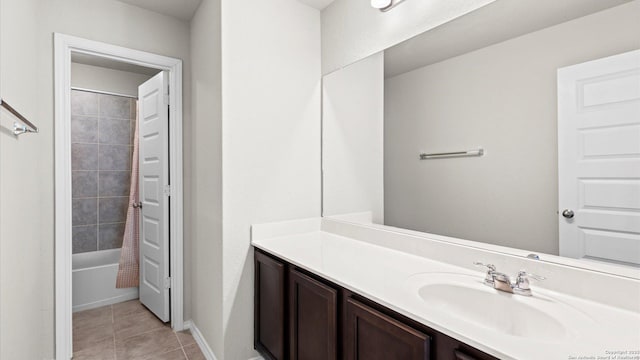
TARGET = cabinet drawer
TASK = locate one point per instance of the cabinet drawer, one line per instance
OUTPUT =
(371, 335)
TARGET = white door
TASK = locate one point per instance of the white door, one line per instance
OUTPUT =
(154, 177)
(599, 159)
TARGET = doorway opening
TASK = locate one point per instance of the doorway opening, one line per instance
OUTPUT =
(118, 141)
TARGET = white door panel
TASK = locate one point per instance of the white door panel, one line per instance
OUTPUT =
(622, 168)
(614, 220)
(615, 194)
(599, 158)
(597, 143)
(598, 245)
(609, 89)
(154, 170)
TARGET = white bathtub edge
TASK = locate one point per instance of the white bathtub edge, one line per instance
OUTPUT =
(129, 295)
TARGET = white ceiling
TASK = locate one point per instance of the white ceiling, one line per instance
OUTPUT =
(491, 24)
(181, 9)
(184, 9)
(318, 4)
(92, 60)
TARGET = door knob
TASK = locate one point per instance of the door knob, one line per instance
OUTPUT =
(137, 205)
(568, 213)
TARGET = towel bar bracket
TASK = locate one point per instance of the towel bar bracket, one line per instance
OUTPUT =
(19, 129)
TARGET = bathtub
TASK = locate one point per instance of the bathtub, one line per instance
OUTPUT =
(94, 280)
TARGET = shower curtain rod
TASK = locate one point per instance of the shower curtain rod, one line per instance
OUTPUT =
(103, 92)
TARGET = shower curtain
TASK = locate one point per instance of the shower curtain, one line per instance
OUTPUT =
(128, 269)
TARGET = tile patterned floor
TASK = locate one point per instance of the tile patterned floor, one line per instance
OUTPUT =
(128, 331)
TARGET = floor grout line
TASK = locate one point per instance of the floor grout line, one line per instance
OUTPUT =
(115, 350)
(113, 322)
(178, 338)
(143, 333)
(166, 352)
(181, 345)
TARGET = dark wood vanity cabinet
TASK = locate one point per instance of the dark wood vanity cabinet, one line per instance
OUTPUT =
(300, 316)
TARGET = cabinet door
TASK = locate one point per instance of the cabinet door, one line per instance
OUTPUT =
(313, 318)
(448, 348)
(463, 356)
(269, 299)
(371, 335)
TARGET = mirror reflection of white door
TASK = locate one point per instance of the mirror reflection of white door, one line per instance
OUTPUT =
(154, 175)
(599, 159)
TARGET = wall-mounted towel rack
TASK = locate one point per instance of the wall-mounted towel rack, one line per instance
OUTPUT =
(477, 152)
(26, 126)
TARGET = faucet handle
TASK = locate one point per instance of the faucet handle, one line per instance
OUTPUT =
(525, 275)
(491, 267)
(488, 279)
(522, 282)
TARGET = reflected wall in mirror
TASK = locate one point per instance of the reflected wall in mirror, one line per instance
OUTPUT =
(550, 90)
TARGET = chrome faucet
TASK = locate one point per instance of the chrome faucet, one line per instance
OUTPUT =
(501, 281)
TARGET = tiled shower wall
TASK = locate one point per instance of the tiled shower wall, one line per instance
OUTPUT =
(102, 130)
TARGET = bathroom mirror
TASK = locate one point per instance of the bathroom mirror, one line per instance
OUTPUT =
(516, 126)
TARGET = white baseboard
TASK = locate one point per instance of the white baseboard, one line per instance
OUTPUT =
(202, 343)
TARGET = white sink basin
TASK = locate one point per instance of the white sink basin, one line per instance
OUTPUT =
(466, 299)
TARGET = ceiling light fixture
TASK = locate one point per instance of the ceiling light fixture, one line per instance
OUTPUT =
(381, 4)
(385, 5)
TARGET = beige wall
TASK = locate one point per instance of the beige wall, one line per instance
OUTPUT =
(26, 217)
(352, 29)
(109, 80)
(503, 98)
(256, 149)
(271, 139)
(271, 147)
(27, 67)
(206, 178)
(352, 139)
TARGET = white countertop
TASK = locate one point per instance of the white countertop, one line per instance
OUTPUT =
(385, 275)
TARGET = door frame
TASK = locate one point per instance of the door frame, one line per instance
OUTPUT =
(64, 45)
